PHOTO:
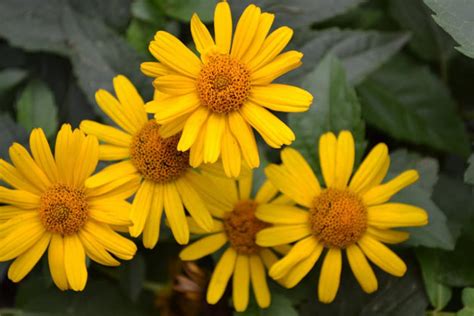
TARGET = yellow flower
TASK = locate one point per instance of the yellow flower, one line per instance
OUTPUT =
(160, 172)
(49, 208)
(346, 215)
(216, 100)
(235, 225)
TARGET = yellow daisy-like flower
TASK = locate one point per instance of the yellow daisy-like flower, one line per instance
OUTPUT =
(350, 214)
(235, 225)
(160, 172)
(49, 208)
(216, 100)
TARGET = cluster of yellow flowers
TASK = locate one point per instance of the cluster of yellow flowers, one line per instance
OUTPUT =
(193, 161)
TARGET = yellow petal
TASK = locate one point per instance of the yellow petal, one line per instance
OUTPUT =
(245, 187)
(116, 111)
(369, 169)
(383, 257)
(264, 24)
(272, 47)
(272, 129)
(141, 207)
(27, 167)
(223, 26)
(86, 160)
(300, 251)
(75, 262)
(56, 262)
(26, 261)
(361, 269)
(107, 134)
(131, 100)
(298, 167)
(175, 84)
(241, 283)
(268, 257)
(111, 173)
(301, 269)
(170, 51)
(330, 275)
(22, 199)
(96, 251)
(175, 213)
(109, 152)
(120, 246)
(13, 177)
(174, 107)
(282, 214)
(327, 157)
(231, 159)
(196, 154)
(151, 231)
(111, 211)
(279, 66)
(245, 31)
(246, 139)
(221, 275)
(201, 36)
(396, 215)
(7, 212)
(154, 69)
(259, 281)
(345, 155)
(203, 247)
(266, 193)
(388, 236)
(194, 228)
(174, 127)
(289, 184)
(281, 97)
(282, 234)
(215, 127)
(192, 127)
(121, 188)
(42, 154)
(382, 193)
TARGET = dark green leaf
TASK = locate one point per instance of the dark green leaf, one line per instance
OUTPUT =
(298, 13)
(455, 16)
(335, 108)
(456, 267)
(3, 270)
(9, 78)
(436, 234)
(469, 175)
(11, 132)
(184, 9)
(36, 108)
(438, 293)
(115, 13)
(280, 306)
(132, 277)
(468, 301)
(361, 52)
(428, 41)
(409, 103)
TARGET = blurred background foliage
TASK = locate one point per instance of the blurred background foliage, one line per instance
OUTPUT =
(384, 69)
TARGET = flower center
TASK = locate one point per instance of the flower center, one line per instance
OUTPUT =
(241, 226)
(223, 84)
(338, 218)
(156, 158)
(63, 209)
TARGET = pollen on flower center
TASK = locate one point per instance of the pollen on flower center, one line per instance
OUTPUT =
(157, 158)
(223, 84)
(241, 226)
(63, 209)
(338, 218)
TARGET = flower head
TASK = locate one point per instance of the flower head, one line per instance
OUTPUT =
(49, 208)
(148, 164)
(235, 226)
(351, 213)
(215, 100)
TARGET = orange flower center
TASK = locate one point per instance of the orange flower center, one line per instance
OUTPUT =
(63, 209)
(338, 218)
(241, 226)
(223, 84)
(156, 158)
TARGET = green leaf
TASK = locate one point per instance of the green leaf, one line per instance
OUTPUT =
(409, 103)
(456, 266)
(428, 41)
(436, 234)
(455, 16)
(438, 293)
(9, 78)
(335, 108)
(468, 301)
(132, 277)
(11, 132)
(298, 13)
(469, 175)
(36, 108)
(361, 52)
(183, 9)
(280, 306)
